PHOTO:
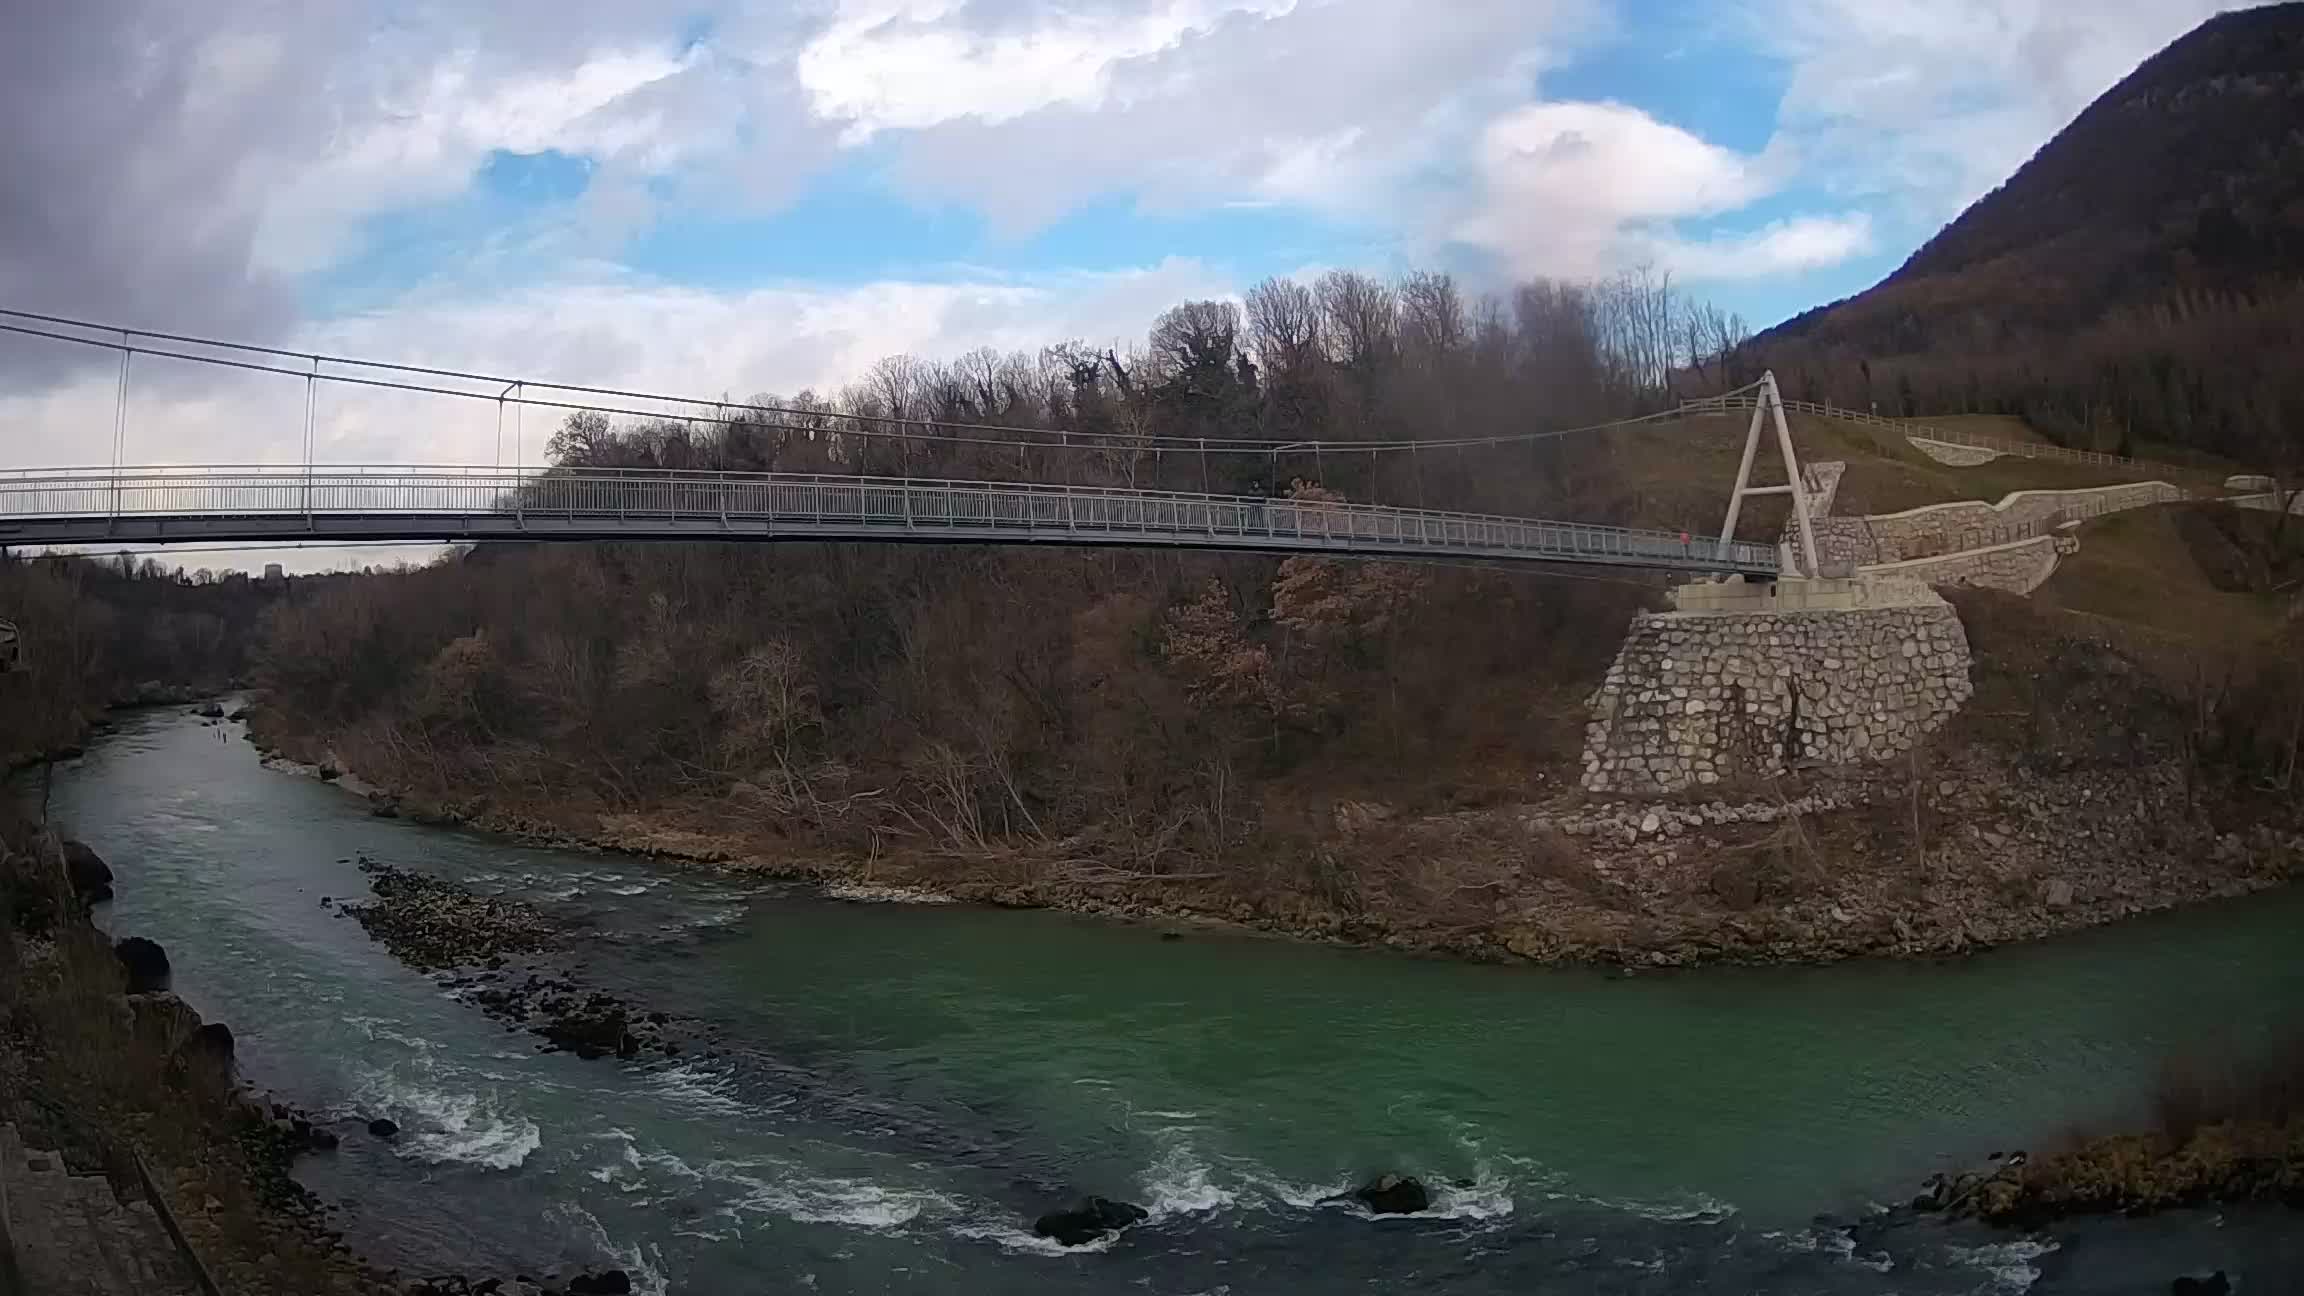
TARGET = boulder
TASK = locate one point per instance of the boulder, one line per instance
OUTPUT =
(90, 876)
(383, 1128)
(608, 1282)
(145, 962)
(590, 1033)
(329, 773)
(210, 1042)
(1088, 1221)
(209, 711)
(237, 714)
(162, 1020)
(2215, 1284)
(1388, 1195)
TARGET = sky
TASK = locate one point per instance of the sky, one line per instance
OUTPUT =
(739, 196)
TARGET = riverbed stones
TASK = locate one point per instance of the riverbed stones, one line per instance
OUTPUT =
(1698, 698)
(434, 924)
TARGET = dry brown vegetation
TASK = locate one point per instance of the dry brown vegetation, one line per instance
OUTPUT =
(96, 630)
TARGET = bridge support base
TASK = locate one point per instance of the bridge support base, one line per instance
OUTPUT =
(1747, 682)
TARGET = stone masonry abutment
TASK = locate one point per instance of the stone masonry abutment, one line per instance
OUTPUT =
(1754, 681)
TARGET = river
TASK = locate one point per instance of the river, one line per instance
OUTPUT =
(900, 1088)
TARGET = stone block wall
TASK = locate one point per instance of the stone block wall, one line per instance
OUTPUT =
(1697, 698)
(1953, 454)
(2018, 568)
(1972, 524)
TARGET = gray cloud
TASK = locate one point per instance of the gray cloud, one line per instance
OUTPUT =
(125, 195)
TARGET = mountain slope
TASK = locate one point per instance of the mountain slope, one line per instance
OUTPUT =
(2136, 281)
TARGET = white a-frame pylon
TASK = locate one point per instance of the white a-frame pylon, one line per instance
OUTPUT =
(1769, 403)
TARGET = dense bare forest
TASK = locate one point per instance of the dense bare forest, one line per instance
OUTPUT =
(2134, 285)
(96, 632)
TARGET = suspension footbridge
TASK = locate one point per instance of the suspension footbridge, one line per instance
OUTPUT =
(224, 504)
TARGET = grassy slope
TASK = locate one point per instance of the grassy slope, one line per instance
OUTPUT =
(2149, 569)
(1687, 467)
(2141, 569)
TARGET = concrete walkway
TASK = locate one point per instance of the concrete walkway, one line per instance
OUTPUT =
(73, 1237)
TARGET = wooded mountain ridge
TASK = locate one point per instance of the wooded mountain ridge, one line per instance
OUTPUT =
(2136, 282)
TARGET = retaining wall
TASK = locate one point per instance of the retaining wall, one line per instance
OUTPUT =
(1695, 698)
(2019, 568)
(1972, 524)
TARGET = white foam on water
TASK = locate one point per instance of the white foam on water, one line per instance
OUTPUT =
(698, 1088)
(393, 1029)
(632, 890)
(647, 1277)
(2009, 1263)
(1690, 1208)
(446, 1126)
(1015, 1240)
(1488, 1196)
(1179, 1182)
(830, 1199)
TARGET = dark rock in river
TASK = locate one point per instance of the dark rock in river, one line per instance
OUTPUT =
(608, 1282)
(146, 963)
(590, 1032)
(90, 876)
(209, 711)
(1088, 1221)
(237, 714)
(2215, 1284)
(383, 1128)
(1388, 1195)
(329, 773)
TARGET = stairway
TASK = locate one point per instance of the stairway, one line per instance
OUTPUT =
(73, 1237)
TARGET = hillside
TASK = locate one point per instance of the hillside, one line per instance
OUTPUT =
(2135, 282)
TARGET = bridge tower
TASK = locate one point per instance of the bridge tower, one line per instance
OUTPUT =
(1767, 406)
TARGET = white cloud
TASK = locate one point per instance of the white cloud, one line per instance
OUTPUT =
(423, 142)
(1781, 247)
(1347, 106)
(1577, 189)
(1931, 103)
(917, 63)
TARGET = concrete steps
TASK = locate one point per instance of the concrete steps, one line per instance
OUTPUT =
(74, 1237)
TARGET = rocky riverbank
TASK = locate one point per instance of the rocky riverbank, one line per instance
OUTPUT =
(2228, 1163)
(1979, 850)
(98, 1055)
(473, 940)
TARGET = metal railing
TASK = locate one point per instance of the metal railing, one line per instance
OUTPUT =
(1735, 402)
(93, 506)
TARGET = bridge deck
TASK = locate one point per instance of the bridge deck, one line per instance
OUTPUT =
(162, 505)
